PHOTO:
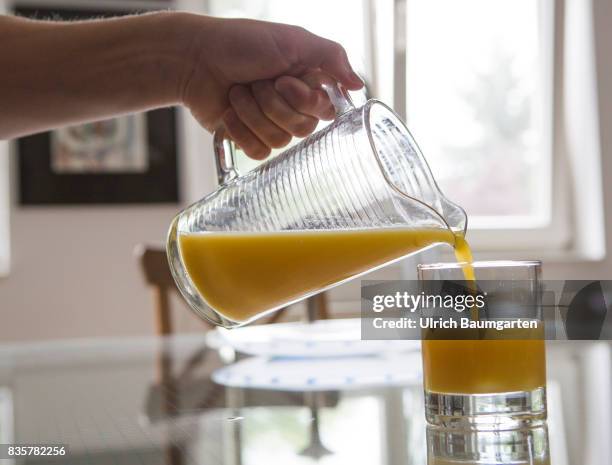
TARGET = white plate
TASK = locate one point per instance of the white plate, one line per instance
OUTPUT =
(323, 338)
(317, 374)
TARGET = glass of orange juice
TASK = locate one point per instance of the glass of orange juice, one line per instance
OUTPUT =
(481, 376)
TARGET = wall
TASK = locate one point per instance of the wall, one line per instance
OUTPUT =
(73, 270)
(74, 274)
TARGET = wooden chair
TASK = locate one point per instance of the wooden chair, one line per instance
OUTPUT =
(317, 307)
(154, 266)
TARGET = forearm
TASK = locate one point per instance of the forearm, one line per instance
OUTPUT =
(54, 74)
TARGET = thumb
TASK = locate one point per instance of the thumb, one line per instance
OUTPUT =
(315, 52)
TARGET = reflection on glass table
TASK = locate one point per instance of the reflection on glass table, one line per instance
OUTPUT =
(160, 401)
(522, 446)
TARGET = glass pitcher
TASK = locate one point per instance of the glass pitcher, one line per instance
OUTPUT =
(346, 200)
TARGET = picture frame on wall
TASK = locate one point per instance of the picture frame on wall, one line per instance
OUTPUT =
(130, 159)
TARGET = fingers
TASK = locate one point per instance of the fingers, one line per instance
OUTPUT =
(246, 107)
(267, 113)
(305, 98)
(318, 53)
(261, 117)
(282, 112)
(243, 136)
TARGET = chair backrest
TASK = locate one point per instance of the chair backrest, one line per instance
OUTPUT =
(154, 266)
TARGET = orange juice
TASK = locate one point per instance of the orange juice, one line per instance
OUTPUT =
(484, 366)
(243, 274)
(463, 254)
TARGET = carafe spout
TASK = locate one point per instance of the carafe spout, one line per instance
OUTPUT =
(454, 215)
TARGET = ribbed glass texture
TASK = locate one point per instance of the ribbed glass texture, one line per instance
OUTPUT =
(362, 171)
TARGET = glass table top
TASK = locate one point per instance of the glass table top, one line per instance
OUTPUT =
(179, 401)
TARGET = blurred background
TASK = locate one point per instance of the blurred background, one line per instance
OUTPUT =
(508, 99)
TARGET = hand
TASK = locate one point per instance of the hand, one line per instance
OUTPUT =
(261, 80)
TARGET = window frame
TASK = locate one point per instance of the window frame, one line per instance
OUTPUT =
(5, 203)
(385, 33)
(5, 236)
(556, 235)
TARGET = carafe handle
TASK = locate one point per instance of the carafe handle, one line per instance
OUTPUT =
(338, 95)
(225, 155)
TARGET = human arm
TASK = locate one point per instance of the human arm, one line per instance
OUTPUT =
(240, 73)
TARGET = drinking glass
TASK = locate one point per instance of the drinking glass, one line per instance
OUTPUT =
(485, 378)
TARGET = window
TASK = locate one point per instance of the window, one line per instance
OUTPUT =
(476, 84)
(483, 87)
(502, 97)
(479, 96)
